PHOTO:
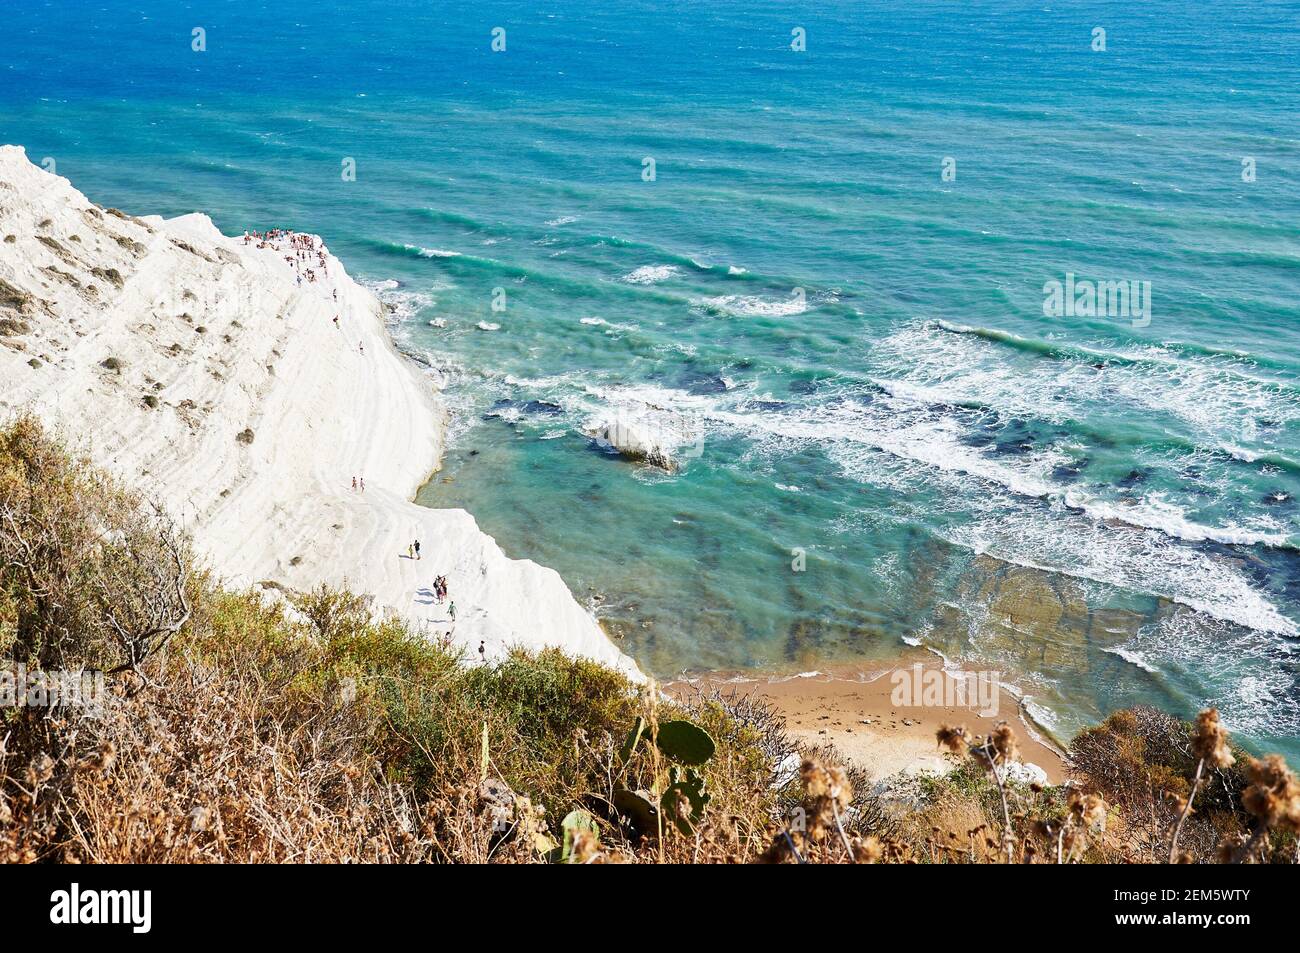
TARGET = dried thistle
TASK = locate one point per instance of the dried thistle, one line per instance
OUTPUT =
(102, 761)
(827, 792)
(1088, 810)
(1210, 746)
(1004, 744)
(1274, 794)
(1229, 845)
(952, 737)
(586, 847)
(40, 770)
(867, 850)
(1210, 740)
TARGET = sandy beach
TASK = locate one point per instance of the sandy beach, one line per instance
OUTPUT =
(852, 708)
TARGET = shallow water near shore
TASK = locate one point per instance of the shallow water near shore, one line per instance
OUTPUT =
(853, 350)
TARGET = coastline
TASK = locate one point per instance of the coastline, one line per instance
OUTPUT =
(278, 510)
(220, 385)
(324, 404)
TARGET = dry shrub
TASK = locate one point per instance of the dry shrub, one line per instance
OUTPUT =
(257, 739)
(91, 575)
(1142, 760)
(195, 769)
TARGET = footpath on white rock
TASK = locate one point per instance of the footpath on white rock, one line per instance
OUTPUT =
(211, 374)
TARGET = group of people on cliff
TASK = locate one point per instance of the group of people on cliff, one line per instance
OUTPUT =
(304, 249)
(439, 581)
(440, 596)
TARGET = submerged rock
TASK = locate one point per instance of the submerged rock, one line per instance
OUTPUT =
(550, 408)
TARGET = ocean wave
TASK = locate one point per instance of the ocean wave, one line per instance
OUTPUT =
(1154, 512)
(911, 431)
(1250, 678)
(989, 397)
(432, 252)
(401, 304)
(1230, 361)
(938, 443)
(443, 216)
(1002, 516)
(464, 262)
(1149, 565)
(1041, 715)
(562, 220)
(752, 305)
(650, 274)
(1133, 658)
(1206, 403)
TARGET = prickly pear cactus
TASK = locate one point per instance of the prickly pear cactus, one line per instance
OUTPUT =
(639, 809)
(633, 737)
(685, 799)
(685, 742)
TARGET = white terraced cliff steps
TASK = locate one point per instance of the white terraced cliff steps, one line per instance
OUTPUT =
(198, 369)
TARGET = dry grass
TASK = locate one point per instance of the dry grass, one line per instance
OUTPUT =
(264, 726)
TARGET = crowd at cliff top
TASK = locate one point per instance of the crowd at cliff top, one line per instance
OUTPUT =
(303, 247)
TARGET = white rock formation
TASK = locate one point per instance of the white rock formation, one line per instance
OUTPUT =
(636, 440)
(196, 368)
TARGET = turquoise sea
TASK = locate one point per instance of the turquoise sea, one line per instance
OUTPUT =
(850, 346)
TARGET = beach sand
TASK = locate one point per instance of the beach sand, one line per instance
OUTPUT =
(851, 708)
